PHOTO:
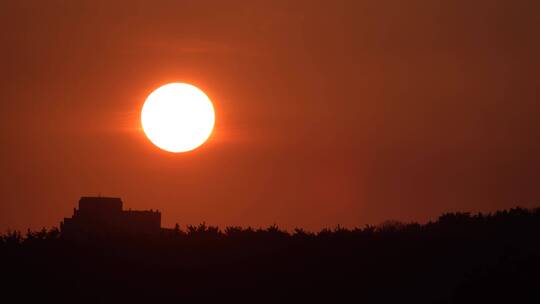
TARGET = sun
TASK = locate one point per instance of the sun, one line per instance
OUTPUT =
(177, 117)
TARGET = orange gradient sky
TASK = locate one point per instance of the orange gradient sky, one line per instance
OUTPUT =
(327, 112)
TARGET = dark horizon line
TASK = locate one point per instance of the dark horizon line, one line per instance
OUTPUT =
(337, 228)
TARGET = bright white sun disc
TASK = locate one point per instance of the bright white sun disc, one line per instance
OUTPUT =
(177, 117)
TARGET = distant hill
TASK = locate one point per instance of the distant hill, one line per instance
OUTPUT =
(460, 258)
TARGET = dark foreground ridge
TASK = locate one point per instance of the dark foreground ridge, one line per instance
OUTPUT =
(460, 258)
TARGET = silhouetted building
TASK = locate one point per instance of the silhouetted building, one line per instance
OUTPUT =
(104, 217)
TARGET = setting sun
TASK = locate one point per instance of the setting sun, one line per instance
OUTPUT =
(178, 117)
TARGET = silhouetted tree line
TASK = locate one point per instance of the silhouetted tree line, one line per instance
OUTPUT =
(460, 258)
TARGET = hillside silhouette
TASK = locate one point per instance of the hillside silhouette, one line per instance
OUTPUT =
(459, 258)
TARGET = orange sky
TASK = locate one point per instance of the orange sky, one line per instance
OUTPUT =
(327, 112)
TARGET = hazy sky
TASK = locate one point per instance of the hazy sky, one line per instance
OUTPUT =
(327, 112)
